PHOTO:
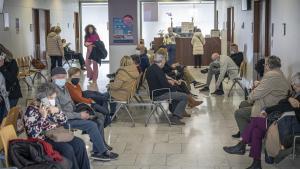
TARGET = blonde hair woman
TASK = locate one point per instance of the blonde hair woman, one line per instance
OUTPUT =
(55, 47)
(125, 76)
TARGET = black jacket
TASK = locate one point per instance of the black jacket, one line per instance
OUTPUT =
(284, 106)
(29, 155)
(237, 58)
(156, 79)
(99, 52)
(10, 72)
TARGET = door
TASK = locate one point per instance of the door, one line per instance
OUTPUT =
(230, 28)
(76, 28)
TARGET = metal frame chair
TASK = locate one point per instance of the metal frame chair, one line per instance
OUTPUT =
(71, 59)
(158, 104)
(36, 72)
(237, 81)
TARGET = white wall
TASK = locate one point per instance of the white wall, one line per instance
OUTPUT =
(22, 44)
(203, 14)
(243, 37)
(286, 47)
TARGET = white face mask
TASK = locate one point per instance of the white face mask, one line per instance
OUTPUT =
(52, 102)
(137, 52)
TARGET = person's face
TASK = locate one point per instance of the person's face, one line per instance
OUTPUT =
(215, 56)
(76, 75)
(170, 30)
(296, 87)
(127, 21)
(91, 30)
(59, 76)
(163, 62)
(234, 49)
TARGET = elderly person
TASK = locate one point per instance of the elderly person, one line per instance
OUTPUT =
(256, 129)
(81, 120)
(157, 79)
(55, 49)
(268, 92)
(219, 67)
(10, 71)
(198, 42)
(43, 115)
(4, 102)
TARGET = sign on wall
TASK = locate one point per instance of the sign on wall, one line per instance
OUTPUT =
(123, 29)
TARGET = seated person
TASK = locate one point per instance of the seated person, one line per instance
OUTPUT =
(41, 117)
(95, 99)
(81, 120)
(120, 88)
(235, 55)
(69, 54)
(4, 101)
(256, 130)
(157, 79)
(144, 60)
(227, 65)
(268, 92)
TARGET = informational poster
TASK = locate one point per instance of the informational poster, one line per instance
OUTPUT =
(122, 29)
(187, 27)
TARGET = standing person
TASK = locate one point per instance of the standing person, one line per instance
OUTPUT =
(170, 42)
(90, 38)
(198, 42)
(10, 71)
(55, 47)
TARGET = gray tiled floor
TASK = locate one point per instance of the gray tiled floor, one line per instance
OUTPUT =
(197, 145)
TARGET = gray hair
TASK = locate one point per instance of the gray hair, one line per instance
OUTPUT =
(45, 90)
(296, 79)
(158, 58)
(274, 62)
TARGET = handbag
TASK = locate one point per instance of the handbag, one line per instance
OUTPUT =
(59, 134)
(273, 144)
(37, 64)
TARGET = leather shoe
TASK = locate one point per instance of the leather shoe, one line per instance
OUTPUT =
(204, 89)
(176, 121)
(239, 149)
(237, 135)
(256, 164)
(204, 71)
(218, 92)
(185, 114)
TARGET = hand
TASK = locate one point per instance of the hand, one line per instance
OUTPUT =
(84, 115)
(43, 111)
(256, 83)
(263, 114)
(294, 102)
(171, 82)
(178, 82)
(53, 109)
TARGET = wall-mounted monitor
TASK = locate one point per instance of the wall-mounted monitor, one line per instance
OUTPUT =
(246, 5)
(1, 6)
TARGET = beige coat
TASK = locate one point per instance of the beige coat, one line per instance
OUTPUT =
(198, 41)
(122, 85)
(54, 45)
(272, 88)
(228, 66)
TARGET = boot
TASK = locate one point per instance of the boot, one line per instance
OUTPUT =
(185, 114)
(192, 102)
(238, 149)
(256, 164)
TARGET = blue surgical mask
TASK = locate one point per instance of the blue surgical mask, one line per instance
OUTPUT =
(60, 82)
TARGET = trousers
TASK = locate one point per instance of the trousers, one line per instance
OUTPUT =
(214, 69)
(254, 134)
(242, 115)
(180, 98)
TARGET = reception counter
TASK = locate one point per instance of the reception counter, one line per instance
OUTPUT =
(184, 49)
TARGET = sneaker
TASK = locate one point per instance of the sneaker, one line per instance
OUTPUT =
(237, 135)
(204, 71)
(176, 121)
(218, 92)
(108, 147)
(204, 89)
(106, 156)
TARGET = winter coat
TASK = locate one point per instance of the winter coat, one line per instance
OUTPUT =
(122, 85)
(54, 45)
(198, 42)
(98, 52)
(3, 91)
(10, 72)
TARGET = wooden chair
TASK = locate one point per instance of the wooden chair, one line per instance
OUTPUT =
(12, 117)
(24, 70)
(34, 71)
(7, 134)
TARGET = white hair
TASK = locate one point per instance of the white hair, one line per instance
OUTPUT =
(296, 78)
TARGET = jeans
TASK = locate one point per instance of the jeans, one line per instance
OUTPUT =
(74, 151)
(180, 98)
(242, 115)
(214, 69)
(254, 134)
(54, 60)
(171, 53)
(94, 130)
(76, 56)
(13, 102)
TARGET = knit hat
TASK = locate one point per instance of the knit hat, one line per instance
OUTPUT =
(58, 71)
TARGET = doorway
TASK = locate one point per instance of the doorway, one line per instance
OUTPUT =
(96, 14)
(230, 28)
(77, 34)
(41, 28)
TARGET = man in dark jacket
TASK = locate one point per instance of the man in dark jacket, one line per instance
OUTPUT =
(157, 79)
